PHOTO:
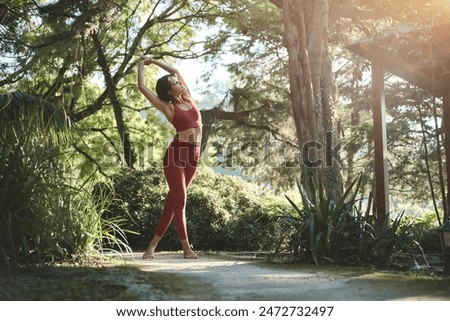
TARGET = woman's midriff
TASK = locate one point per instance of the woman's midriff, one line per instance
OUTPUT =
(191, 135)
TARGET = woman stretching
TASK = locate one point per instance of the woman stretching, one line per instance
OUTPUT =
(173, 99)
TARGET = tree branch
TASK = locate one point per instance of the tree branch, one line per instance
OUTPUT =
(356, 14)
(110, 89)
(278, 3)
(98, 104)
(241, 117)
(92, 160)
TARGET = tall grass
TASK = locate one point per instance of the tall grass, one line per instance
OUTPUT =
(45, 214)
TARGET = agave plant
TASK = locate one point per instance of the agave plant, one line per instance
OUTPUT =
(394, 238)
(319, 226)
(338, 232)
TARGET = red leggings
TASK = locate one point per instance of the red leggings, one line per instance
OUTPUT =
(180, 167)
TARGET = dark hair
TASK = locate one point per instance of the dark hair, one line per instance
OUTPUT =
(163, 87)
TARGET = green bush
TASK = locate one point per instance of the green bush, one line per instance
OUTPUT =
(222, 212)
(139, 200)
(424, 230)
(45, 214)
(230, 214)
(29, 135)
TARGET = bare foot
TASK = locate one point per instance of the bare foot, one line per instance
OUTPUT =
(187, 251)
(190, 254)
(150, 251)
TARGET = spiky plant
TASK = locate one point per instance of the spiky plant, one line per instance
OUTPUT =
(318, 226)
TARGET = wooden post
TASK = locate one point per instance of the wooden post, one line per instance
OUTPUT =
(381, 201)
(446, 116)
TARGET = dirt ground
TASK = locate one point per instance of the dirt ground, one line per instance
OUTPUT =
(214, 277)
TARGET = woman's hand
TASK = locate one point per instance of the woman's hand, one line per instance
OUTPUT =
(146, 59)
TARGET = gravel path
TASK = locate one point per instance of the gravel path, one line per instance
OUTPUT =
(213, 277)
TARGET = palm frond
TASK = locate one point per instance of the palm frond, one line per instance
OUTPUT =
(10, 15)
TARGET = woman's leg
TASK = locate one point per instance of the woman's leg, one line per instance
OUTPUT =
(180, 168)
(167, 216)
(175, 176)
(163, 224)
(189, 174)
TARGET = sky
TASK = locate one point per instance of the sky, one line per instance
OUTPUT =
(210, 92)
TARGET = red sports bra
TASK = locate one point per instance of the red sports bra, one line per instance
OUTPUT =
(186, 119)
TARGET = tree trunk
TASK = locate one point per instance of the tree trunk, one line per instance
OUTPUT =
(301, 84)
(332, 177)
(311, 85)
(128, 153)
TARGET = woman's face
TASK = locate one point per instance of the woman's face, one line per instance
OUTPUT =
(176, 87)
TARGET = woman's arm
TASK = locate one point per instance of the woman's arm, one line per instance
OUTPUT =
(170, 69)
(164, 107)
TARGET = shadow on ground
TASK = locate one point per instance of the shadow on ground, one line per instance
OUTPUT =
(170, 277)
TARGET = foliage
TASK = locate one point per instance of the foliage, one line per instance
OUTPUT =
(320, 227)
(409, 148)
(28, 145)
(322, 230)
(45, 213)
(261, 73)
(240, 210)
(396, 238)
(263, 144)
(423, 229)
(82, 55)
(222, 212)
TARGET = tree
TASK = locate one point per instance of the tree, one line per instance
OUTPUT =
(311, 87)
(69, 48)
(314, 48)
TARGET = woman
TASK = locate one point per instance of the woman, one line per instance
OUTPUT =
(173, 99)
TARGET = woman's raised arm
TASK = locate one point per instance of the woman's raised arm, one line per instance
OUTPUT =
(170, 69)
(165, 107)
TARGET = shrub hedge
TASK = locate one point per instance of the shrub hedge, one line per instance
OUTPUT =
(223, 213)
